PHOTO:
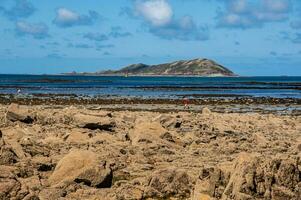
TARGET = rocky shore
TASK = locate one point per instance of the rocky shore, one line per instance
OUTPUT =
(79, 152)
(263, 105)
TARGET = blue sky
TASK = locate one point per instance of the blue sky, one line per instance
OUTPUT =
(251, 37)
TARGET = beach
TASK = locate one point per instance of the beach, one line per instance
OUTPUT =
(150, 149)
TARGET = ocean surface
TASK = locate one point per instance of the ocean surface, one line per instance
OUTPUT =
(152, 87)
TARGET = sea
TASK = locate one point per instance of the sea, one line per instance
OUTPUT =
(152, 87)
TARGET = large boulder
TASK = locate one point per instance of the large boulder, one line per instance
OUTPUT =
(170, 182)
(77, 137)
(241, 184)
(146, 132)
(129, 192)
(252, 176)
(52, 193)
(9, 188)
(7, 156)
(16, 112)
(81, 167)
(10, 148)
(9, 185)
(94, 122)
(206, 111)
(168, 121)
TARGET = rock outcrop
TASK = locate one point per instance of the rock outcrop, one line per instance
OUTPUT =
(94, 122)
(146, 132)
(16, 112)
(149, 155)
(252, 176)
(81, 167)
(170, 182)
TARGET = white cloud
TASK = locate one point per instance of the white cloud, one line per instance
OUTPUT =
(20, 9)
(156, 12)
(182, 29)
(238, 6)
(277, 5)
(161, 22)
(250, 14)
(38, 30)
(68, 18)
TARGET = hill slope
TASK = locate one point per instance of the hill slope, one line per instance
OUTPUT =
(196, 67)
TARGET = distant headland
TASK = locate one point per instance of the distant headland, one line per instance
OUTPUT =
(196, 67)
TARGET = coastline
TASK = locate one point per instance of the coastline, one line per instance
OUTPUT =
(82, 151)
(55, 145)
(288, 106)
(88, 74)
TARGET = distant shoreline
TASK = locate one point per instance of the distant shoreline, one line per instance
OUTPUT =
(104, 75)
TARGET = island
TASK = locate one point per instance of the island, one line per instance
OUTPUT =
(196, 67)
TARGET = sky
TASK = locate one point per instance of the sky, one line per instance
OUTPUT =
(250, 37)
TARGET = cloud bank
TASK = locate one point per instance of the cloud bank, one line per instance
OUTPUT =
(36, 30)
(158, 16)
(20, 9)
(246, 14)
(66, 18)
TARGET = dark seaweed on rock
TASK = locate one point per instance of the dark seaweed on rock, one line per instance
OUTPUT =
(209, 88)
(271, 83)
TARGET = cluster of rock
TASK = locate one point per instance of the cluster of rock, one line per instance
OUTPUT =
(73, 153)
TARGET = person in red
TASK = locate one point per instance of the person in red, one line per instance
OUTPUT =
(186, 102)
